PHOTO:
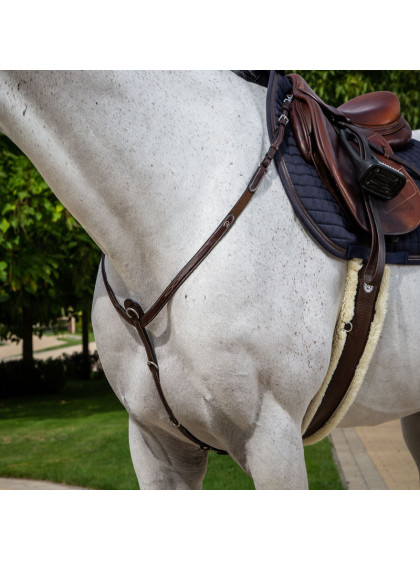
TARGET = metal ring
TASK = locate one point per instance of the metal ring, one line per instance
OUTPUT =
(150, 363)
(175, 423)
(347, 327)
(135, 312)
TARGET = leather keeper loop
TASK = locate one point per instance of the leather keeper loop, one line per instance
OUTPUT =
(256, 179)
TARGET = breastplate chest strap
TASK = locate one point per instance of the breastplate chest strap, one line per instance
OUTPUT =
(132, 312)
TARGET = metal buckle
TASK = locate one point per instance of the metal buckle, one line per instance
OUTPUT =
(288, 98)
(135, 312)
(150, 363)
(368, 288)
(283, 118)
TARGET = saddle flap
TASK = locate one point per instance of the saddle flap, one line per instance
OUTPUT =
(301, 123)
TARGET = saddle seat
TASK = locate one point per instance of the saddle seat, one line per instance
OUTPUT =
(373, 109)
(380, 111)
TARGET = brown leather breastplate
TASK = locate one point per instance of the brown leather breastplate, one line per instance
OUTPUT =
(132, 312)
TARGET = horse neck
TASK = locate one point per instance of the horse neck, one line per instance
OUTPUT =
(147, 162)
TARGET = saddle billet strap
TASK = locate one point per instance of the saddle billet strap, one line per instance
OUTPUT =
(357, 337)
(133, 313)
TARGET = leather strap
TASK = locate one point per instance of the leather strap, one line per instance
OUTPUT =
(353, 350)
(133, 313)
(226, 223)
(414, 169)
(375, 266)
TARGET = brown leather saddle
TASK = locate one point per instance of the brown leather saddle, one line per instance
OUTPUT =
(351, 148)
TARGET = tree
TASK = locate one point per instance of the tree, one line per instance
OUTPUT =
(47, 261)
(78, 281)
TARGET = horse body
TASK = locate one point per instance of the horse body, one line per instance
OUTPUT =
(149, 163)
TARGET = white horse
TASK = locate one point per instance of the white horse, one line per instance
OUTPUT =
(149, 163)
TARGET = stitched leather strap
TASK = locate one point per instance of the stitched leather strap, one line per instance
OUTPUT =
(133, 313)
(226, 223)
(375, 266)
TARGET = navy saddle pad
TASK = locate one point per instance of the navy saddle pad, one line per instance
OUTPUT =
(317, 209)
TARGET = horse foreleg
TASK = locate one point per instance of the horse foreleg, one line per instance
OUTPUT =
(411, 431)
(274, 453)
(162, 461)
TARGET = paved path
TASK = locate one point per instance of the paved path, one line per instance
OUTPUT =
(66, 350)
(12, 351)
(374, 458)
(31, 484)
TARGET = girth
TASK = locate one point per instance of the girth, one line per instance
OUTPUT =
(133, 313)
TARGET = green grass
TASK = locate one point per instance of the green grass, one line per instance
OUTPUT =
(80, 437)
(321, 468)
